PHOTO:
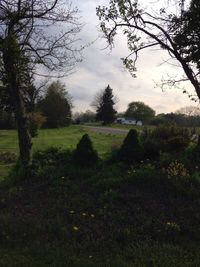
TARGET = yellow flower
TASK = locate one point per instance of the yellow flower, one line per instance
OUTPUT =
(72, 211)
(177, 169)
(84, 214)
(75, 228)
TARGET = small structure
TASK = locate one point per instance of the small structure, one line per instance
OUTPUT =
(127, 121)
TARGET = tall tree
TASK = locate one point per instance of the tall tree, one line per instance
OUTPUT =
(33, 33)
(189, 111)
(171, 27)
(56, 106)
(187, 35)
(139, 111)
(105, 107)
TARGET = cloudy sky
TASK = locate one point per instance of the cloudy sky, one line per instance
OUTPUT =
(101, 67)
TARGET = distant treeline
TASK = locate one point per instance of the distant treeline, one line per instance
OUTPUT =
(178, 119)
(7, 120)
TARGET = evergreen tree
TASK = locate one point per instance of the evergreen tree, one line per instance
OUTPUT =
(105, 109)
(84, 154)
(130, 150)
(56, 106)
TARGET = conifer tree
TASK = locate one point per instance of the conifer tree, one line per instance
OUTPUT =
(130, 150)
(105, 108)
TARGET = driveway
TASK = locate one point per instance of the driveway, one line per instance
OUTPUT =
(107, 130)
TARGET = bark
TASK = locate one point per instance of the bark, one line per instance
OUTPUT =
(17, 103)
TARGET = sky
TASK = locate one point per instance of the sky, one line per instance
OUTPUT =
(101, 67)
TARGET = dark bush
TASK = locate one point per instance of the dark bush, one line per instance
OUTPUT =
(51, 157)
(151, 149)
(8, 157)
(130, 150)
(167, 138)
(193, 155)
(177, 144)
(84, 154)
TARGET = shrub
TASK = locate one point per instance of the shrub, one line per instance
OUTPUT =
(130, 150)
(194, 155)
(35, 121)
(166, 139)
(51, 157)
(151, 149)
(8, 157)
(84, 154)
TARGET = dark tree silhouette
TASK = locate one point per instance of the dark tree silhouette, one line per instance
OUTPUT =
(33, 33)
(175, 30)
(105, 107)
(56, 106)
(139, 111)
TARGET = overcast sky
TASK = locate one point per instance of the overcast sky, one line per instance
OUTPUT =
(101, 67)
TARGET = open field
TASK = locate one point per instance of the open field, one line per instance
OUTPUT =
(63, 137)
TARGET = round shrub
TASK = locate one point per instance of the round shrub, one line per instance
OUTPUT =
(151, 149)
(84, 154)
(130, 150)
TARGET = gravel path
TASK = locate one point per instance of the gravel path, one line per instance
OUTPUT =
(107, 130)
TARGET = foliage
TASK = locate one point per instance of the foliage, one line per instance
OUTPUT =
(84, 117)
(105, 111)
(8, 157)
(139, 111)
(56, 106)
(7, 120)
(175, 30)
(178, 119)
(187, 36)
(25, 45)
(84, 154)
(171, 138)
(62, 214)
(177, 169)
(151, 149)
(35, 122)
(130, 150)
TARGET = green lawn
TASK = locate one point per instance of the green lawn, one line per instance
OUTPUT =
(63, 137)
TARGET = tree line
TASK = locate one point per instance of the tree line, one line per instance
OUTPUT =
(53, 108)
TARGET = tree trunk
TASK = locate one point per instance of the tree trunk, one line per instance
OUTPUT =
(12, 76)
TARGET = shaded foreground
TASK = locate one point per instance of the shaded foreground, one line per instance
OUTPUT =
(112, 215)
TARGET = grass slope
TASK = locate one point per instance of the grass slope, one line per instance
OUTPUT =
(104, 217)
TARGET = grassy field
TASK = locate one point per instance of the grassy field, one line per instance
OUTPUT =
(63, 137)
